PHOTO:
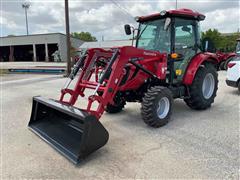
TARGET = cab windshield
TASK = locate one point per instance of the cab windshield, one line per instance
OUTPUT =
(153, 35)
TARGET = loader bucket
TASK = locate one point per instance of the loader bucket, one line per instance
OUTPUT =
(71, 131)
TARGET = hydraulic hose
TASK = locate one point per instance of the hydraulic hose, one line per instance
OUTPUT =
(109, 67)
(77, 66)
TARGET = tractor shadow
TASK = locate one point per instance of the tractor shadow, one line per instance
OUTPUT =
(129, 121)
(130, 117)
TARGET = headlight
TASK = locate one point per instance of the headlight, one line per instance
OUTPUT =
(136, 18)
(163, 13)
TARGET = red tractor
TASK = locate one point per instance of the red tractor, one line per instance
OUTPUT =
(167, 63)
(224, 59)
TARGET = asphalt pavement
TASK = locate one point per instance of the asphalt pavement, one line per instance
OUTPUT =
(194, 144)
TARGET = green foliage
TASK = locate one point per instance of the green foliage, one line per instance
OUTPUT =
(225, 43)
(213, 35)
(84, 36)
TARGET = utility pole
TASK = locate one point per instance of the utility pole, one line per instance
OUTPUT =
(68, 43)
(26, 6)
(176, 4)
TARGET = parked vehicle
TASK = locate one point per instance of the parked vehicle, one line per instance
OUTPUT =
(233, 73)
(166, 63)
(224, 58)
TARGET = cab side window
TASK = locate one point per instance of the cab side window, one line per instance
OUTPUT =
(184, 34)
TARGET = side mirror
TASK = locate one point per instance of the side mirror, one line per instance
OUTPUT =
(127, 28)
(186, 29)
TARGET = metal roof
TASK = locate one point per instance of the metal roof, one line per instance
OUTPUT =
(42, 34)
(176, 13)
(34, 39)
(106, 44)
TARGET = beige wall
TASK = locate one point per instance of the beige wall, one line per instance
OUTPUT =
(55, 38)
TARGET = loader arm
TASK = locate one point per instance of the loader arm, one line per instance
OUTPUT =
(107, 85)
(116, 59)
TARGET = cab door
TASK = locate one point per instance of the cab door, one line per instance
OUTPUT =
(186, 37)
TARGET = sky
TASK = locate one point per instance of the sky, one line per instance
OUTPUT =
(106, 18)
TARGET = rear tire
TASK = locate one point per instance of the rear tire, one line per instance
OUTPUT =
(157, 106)
(222, 64)
(226, 63)
(204, 88)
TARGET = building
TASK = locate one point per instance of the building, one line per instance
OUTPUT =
(36, 47)
(230, 34)
(107, 44)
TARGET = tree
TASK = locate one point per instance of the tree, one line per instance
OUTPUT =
(225, 43)
(213, 35)
(84, 36)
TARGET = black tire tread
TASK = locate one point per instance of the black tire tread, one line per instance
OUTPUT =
(196, 100)
(221, 66)
(147, 111)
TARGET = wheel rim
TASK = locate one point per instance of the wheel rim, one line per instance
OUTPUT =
(163, 107)
(208, 86)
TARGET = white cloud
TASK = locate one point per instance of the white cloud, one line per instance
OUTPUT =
(226, 20)
(105, 18)
(8, 24)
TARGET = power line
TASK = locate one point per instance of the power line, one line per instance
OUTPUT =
(123, 9)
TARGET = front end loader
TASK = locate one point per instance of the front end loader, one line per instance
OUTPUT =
(167, 63)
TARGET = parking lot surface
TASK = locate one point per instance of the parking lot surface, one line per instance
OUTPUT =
(194, 144)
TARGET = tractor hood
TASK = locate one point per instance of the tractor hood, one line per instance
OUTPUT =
(133, 52)
(129, 52)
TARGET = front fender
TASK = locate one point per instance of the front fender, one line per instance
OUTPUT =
(195, 63)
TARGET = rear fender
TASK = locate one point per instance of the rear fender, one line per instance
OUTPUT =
(229, 55)
(195, 63)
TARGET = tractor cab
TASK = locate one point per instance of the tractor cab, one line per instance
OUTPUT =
(171, 32)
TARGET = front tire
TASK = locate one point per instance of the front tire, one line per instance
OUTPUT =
(204, 88)
(157, 106)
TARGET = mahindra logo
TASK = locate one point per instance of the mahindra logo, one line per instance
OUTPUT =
(149, 53)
